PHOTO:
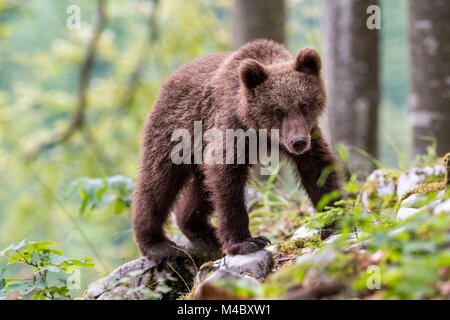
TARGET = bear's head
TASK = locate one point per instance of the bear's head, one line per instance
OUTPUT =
(288, 96)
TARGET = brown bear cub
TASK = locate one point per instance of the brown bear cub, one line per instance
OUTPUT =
(259, 86)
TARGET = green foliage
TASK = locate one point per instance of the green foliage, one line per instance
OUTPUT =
(430, 157)
(44, 262)
(328, 216)
(413, 259)
(409, 258)
(97, 193)
(414, 256)
(343, 153)
(381, 179)
(276, 196)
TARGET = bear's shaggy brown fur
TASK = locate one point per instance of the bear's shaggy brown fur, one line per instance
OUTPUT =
(259, 86)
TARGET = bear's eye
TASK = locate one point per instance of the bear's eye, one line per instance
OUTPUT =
(304, 106)
(278, 113)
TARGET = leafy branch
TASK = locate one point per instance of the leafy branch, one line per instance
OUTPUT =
(136, 74)
(78, 118)
(44, 260)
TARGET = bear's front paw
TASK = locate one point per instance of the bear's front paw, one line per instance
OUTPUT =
(328, 230)
(247, 246)
(161, 251)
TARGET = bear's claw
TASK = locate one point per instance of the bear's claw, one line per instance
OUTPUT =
(162, 251)
(248, 246)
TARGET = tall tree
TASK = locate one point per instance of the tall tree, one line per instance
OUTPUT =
(429, 34)
(351, 67)
(254, 19)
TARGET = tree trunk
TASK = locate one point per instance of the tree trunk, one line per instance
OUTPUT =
(429, 33)
(351, 68)
(256, 19)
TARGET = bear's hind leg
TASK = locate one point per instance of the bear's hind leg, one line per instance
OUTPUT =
(157, 187)
(193, 212)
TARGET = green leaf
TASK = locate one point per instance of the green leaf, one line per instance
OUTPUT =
(50, 269)
(99, 192)
(22, 286)
(14, 247)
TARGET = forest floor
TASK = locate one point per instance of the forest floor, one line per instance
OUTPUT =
(393, 243)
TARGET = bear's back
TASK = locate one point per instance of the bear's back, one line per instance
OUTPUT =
(189, 80)
(185, 92)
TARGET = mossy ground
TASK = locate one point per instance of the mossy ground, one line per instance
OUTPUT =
(296, 246)
(410, 257)
(370, 189)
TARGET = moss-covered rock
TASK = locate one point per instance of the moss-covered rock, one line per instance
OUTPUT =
(385, 188)
(428, 197)
(142, 279)
(379, 191)
(424, 189)
(296, 246)
(224, 285)
(415, 177)
(317, 275)
(447, 169)
(304, 232)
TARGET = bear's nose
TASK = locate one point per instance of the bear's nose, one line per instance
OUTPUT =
(299, 143)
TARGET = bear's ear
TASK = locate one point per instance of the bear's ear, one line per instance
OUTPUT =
(252, 73)
(308, 61)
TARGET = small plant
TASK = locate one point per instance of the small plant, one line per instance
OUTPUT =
(99, 192)
(45, 262)
(430, 157)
